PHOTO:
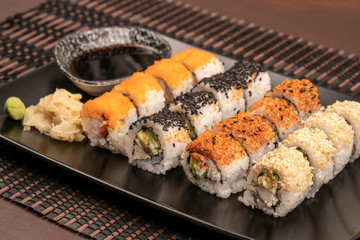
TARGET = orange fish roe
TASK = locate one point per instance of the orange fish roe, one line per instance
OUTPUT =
(251, 131)
(278, 111)
(217, 146)
(193, 58)
(173, 73)
(112, 106)
(137, 86)
(303, 94)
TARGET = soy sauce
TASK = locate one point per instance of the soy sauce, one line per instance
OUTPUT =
(112, 62)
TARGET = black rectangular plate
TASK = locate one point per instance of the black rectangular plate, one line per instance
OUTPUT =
(334, 213)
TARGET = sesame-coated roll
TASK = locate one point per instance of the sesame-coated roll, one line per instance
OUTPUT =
(174, 77)
(318, 150)
(201, 63)
(216, 163)
(350, 110)
(255, 77)
(338, 131)
(301, 93)
(278, 113)
(144, 91)
(228, 92)
(155, 143)
(255, 135)
(199, 110)
(279, 181)
(106, 120)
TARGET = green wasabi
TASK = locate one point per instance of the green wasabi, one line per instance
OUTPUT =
(15, 108)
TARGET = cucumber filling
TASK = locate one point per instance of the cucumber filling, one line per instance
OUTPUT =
(149, 141)
(304, 154)
(198, 167)
(187, 123)
(268, 180)
(267, 183)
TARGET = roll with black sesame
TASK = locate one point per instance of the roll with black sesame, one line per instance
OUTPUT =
(199, 110)
(155, 143)
(228, 92)
(254, 76)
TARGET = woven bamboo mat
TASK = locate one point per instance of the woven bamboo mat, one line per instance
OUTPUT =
(27, 41)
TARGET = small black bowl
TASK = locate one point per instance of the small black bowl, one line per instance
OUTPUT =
(78, 43)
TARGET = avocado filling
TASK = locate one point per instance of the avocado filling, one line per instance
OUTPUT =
(149, 141)
(268, 180)
(187, 123)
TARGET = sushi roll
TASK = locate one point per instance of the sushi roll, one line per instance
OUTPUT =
(216, 163)
(301, 93)
(173, 76)
(278, 113)
(279, 181)
(201, 63)
(254, 76)
(338, 131)
(255, 135)
(228, 93)
(318, 150)
(155, 143)
(144, 91)
(350, 110)
(198, 110)
(106, 120)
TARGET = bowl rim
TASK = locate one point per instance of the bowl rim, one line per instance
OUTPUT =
(114, 81)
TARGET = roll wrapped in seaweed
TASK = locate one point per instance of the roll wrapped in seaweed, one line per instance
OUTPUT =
(198, 110)
(278, 113)
(216, 163)
(175, 78)
(228, 92)
(255, 135)
(301, 93)
(106, 120)
(318, 150)
(144, 91)
(201, 63)
(338, 131)
(350, 110)
(279, 181)
(155, 143)
(254, 76)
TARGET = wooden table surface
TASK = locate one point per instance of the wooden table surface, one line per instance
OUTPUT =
(328, 22)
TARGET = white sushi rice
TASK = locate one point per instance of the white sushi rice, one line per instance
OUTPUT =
(114, 140)
(207, 70)
(350, 110)
(188, 84)
(257, 88)
(221, 180)
(338, 131)
(319, 150)
(155, 101)
(230, 102)
(262, 151)
(208, 116)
